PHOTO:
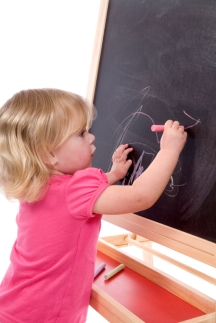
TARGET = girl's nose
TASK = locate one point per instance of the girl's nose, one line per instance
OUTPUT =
(92, 138)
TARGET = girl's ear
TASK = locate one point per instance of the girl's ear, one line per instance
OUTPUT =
(47, 157)
(50, 159)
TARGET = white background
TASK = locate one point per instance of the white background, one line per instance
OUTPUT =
(44, 43)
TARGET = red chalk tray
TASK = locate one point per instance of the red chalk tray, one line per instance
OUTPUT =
(147, 300)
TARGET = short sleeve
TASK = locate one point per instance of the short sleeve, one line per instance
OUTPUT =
(82, 191)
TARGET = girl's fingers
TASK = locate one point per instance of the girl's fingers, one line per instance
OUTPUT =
(123, 149)
(168, 124)
(175, 124)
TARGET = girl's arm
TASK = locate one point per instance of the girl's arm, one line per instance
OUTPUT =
(148, 187)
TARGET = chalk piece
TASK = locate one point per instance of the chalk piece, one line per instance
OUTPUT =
(114, 271)
(99, 269)
(159, 128)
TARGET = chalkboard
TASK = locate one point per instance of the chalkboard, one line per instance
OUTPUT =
(158, 62)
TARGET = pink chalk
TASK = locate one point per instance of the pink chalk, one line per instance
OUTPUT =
(159, 128)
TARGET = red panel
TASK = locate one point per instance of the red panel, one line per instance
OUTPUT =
(147, 300)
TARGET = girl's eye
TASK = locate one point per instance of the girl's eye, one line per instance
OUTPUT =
(82, 133)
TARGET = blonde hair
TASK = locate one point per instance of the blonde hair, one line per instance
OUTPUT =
(32, 124)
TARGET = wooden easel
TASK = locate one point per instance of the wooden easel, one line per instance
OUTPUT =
(111, 248)
(115, 311)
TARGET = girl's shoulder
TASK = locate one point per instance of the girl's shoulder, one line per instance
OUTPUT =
(83, 189)
(89, 172)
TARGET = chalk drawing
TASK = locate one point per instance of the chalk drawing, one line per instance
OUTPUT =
(138, 168)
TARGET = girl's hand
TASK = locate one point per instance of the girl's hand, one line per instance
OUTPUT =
(120, 164)
(174, 137)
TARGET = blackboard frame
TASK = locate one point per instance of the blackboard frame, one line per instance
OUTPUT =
(192, 246)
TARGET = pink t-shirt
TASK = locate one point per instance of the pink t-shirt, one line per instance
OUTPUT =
(52, 261)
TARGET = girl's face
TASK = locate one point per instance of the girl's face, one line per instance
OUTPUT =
(74, 154)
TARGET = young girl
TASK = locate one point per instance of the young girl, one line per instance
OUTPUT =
(45, 162)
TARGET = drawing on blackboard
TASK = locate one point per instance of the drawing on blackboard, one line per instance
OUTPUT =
(146, 152)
